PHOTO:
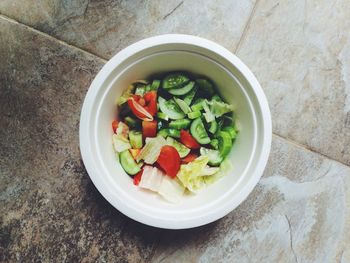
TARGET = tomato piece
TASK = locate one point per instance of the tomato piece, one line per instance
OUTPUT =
(151, 102)
(134, 152)
(114, 125)
(149, 128)
(169, 160)
(139, 111)
(137, 177)
(187, 139)
(189, 158)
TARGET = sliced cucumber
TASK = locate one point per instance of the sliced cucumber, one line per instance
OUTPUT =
(163, 133)
(135, 139)
(128, 163)
(194, 114)
(173, 133)
(155, 84)
(183, 106)
(231, 131)
(189, 96)
(225, 143)
(213, 127)
(182, 91)
(180, 124)
(214, 156)
(181, 149)
(206, 88)
(174, 81)
(132, 123)
(197, 105)
(171, 109)
(198, 131)
(214, 143)
(162, 116)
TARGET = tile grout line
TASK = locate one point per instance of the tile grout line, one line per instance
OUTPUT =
(307, 148)
(246, 28)
(236, 49)
(11, 20)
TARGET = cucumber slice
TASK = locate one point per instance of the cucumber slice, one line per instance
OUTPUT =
(214, 156)
(162, 116)
(182, 91)
(155, 84)
(128, 163)
(231, 131)
(198, 131)
(132, 123)
(206, 88)
(181, 149)
(183, 106)
(180, 124)
(215, 144)
(163, 133)
(173, 133)
(213, 127)
(175, 80)
(171, 109)
(197, 105)
(225, 143)
(189, 96)
(135, 139)
(194, 114)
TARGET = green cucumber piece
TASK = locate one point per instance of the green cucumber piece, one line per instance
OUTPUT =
(231, 131)
(162, 116)
(132, 123)
(183, 106)
(194, 114)
(128, 163)
(175, 80)
(189, 96)
(197, 105)
(135, 139)
(180, 124)
(225, 143)
(198, 131)
(181, 149)
(173, 133)
(182, 91)
(206, 88)
(171, 109)
(163, 133)
(155, 84)
(215, 144)
(214, 156)
(213, 127)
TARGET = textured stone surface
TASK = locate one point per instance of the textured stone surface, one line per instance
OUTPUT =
(50, 211)
(300, 52)
(105, 27)
(299, 212)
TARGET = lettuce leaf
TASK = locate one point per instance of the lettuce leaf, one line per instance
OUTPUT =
(126, 94)
(151, 150)
(208, 115)
(225, 168)
(219, 108)
(120, 143)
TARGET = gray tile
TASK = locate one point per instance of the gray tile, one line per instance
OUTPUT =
(105, 27)
(50, 211)
(299, 212)
(300, 52)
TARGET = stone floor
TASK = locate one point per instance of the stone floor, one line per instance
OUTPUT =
(50, 50)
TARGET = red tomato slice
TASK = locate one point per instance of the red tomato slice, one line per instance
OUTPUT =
(139, 111)
(149, 128)
(137, 177)
(151, 102)
(187, 139)
(114, 125)
(189, 158)
(169, 160)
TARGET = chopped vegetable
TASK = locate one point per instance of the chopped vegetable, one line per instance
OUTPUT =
(225, 143)
(128, 163)
(135, 139)
(180, 124)
(137, 177)
(209, 116)
(132, 122)
(149, 128)
(169, 160)
(189, 158)
(122, 129)
(198, 131)
(114, 126)
(181, 149)
(218, 108)
(151, 150)
(182, 91)
(187, 139)
(171, 109)
(126, 95)
(171, 189)
(214, 156)
(134, 152)
(151, 178)
(139, 111)
(183, 106)
(174, 81)
(120, 143)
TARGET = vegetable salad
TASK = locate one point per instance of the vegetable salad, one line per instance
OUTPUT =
(173, 135)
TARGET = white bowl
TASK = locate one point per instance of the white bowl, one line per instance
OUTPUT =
(236, 84)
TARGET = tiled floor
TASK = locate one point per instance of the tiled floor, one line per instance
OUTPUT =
(50, 210)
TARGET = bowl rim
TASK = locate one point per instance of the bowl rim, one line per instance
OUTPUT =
(135, 48)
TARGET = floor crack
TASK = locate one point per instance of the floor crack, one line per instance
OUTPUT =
(291, 239)
(172, 11)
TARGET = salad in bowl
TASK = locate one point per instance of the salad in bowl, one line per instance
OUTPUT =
(173, 134)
